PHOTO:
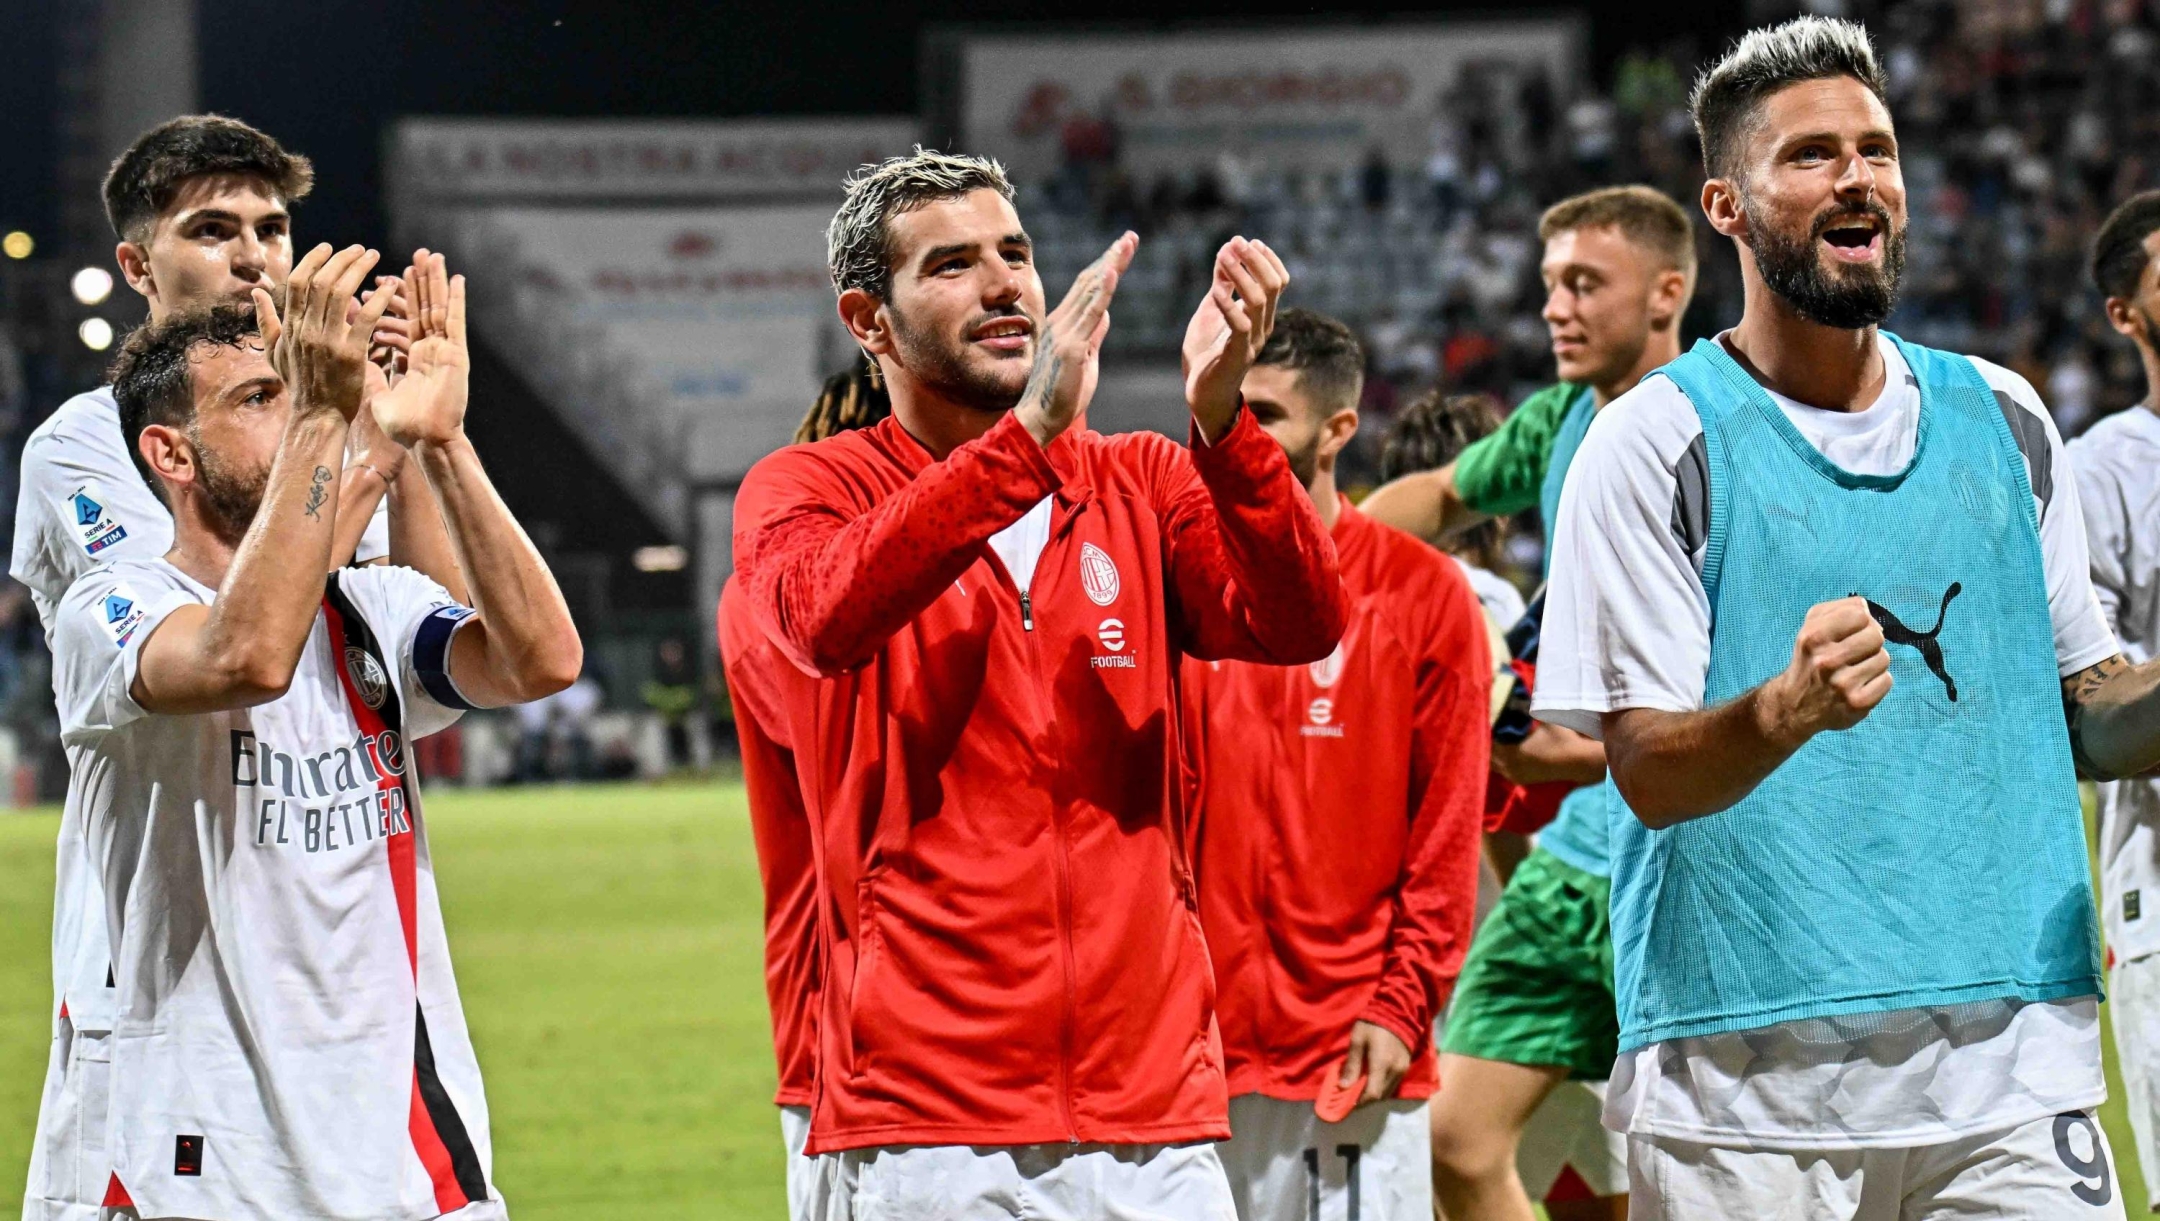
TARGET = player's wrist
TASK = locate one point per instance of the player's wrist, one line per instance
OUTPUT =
(1776, 716)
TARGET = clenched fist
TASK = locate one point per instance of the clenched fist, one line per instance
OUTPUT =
(1839, 672)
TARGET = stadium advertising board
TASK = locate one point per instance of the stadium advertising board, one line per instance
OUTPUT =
(725, 313)
(1311, 98)
(518, 159)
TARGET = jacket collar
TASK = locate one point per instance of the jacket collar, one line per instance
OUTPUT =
(913, 457)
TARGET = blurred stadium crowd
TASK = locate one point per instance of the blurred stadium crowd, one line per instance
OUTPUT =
(2024, 121)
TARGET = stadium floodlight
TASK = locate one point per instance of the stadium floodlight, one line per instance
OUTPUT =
(668, 558)
(17, 245)
(91, 285)
(96, 333)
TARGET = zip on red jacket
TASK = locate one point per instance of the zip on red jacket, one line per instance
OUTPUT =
(756, 677)
(1338, 810)
(1014, 952)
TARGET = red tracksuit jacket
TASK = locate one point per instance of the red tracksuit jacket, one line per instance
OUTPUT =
(757, 677)
(1014, 952)
(1339, 807)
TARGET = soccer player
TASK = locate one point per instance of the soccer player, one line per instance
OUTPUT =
(757, 676)
(1824, 594)
(1338, 807)
(1017, 1004)
(2118, 479)
(200, 206)
(1530, 1038)
(288, 1040)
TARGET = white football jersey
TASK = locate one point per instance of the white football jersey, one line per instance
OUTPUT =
(80, 503)
(287, 1040)
(2118, 473)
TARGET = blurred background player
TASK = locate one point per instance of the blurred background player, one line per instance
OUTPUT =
(286, 1003)
(852, 398)
(1428, 433)
(1337, 814)
(201, 206)
(2118, 481)
(995, 600)
(1856, 964)
(756, 671)
(1534, 1008)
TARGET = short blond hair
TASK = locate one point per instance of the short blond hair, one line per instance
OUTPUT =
(858, 243)
(1644, 215)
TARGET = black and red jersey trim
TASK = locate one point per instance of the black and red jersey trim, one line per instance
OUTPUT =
(439, 1136)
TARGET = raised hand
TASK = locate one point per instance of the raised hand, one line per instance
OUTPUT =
(1229, 329)
(428, 402)
(1839, 672)
(319, 345)
(1068, 352)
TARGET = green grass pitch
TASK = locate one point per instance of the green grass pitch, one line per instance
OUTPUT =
(608, 941)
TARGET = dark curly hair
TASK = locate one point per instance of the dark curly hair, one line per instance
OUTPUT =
(1429, 432)
(851, 399)
(151, 380)
(144, 180)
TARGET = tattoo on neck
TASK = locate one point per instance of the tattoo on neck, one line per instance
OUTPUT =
(317, 494)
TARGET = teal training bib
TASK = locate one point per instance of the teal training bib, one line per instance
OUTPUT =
(1934, 854)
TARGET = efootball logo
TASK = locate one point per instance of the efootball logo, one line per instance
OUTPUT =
(368, 677)
(1112, 634)
(1321, 711)
(1098, 575)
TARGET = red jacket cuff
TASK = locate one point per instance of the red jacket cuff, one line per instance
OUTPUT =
(1011, 438)
(1397, 1024)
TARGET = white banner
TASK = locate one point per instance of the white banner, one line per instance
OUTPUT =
(535, 159)
(1317, 99)
(725, 314)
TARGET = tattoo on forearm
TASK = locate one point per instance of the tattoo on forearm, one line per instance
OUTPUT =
(2077, 692)
(316, 495)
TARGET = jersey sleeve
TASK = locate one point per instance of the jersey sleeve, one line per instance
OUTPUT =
(2083, 632)
(416, 619)
(375, 541)
(2107, 525)
(1627, 624)
(98, 634)
(1502, 473)
(81, 503)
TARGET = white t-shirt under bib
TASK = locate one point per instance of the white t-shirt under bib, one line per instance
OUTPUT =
(1627, 625)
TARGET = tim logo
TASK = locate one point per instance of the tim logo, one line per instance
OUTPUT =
(1327, 671)
(1895, 632)
(1098, 575)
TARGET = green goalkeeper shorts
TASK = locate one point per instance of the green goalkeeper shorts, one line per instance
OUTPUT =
(1537, 987)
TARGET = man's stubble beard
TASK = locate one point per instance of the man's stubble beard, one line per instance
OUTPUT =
(937, 363)
(1305, 461)
(1862, 297)
(231, 497)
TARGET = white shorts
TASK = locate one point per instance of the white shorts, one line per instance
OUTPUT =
(1568, 1132)
(2053, 1169)
(1286, 1165)
(68, 1166)
(1040, 1182)
(2134, 1011)
(809, 1179)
